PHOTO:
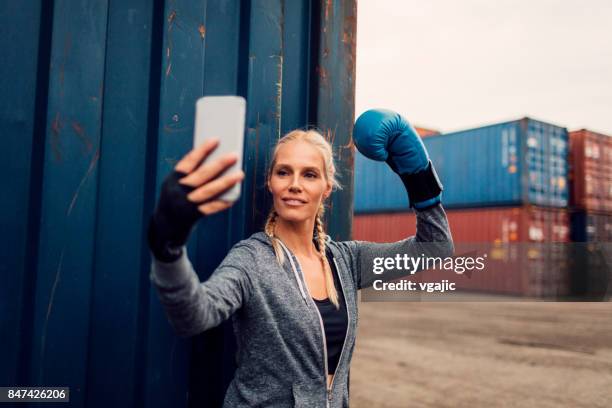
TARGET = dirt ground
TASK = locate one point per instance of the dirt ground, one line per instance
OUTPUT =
(512, 354)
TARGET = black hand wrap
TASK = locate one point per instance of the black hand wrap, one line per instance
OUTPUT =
(423, 185)
(173, 219)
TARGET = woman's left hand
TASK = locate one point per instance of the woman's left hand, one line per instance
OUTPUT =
(384, 135)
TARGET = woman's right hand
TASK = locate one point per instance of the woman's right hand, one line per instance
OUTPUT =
(202, 179)
(188, 193)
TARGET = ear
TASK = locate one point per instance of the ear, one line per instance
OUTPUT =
(327, 192)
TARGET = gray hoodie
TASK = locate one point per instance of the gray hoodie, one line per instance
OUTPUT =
(281, 353)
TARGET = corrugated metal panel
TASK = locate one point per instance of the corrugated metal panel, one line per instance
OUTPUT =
(523, 258)
(22, 113)
(513, 163)
(335, 110)
(100, 108)
(590, 159)
(65, 267)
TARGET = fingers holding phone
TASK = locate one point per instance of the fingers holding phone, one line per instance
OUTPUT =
(192, 160)
(209, 179)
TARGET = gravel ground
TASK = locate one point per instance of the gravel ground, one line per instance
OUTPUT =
(485, 354)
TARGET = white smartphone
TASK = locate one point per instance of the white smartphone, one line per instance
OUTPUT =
(222, 117)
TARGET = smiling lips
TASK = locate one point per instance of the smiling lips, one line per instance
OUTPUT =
(293, 201)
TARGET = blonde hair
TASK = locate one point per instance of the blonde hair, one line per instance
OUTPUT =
(318, 141)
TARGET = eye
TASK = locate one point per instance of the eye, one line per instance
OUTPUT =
(311, 174)
(281, 172)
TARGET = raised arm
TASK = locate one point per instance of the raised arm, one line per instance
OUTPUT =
(187, 194)
(384, 135)
(433, 239)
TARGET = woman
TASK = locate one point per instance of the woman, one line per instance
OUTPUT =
(290, 290)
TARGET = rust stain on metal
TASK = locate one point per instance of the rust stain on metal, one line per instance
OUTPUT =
(322, 72)
(350, 144)
(78, 128)
(328, 9)
(330, 135)
(202, 31)
(92, 165)
(56, 125)
(349, 28)
(350, 160)
(80, 132)
(171, 18)
(56, 128)
(348, 35)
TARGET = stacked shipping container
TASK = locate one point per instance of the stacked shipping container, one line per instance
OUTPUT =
(591, 216)
(591, 171)
(505, 185)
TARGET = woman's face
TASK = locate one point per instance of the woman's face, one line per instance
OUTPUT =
(297, 183)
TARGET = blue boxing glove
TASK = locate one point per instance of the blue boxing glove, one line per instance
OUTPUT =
(384, 135)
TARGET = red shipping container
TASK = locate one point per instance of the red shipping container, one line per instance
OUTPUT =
(424, 132)
(590, 159)
(526, 247)
(592, 233)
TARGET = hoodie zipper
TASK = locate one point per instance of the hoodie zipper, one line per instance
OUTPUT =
(348, 321)
(326, 370)
(327, 389)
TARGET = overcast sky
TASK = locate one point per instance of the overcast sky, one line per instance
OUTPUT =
(452, 65)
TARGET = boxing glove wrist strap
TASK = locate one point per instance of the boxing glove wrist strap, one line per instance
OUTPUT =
(422, 186)
(173, 219)
(160, 246)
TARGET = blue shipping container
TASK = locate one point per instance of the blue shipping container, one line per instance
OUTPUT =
(511, 163)
(97, 106)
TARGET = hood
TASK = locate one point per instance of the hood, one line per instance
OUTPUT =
(264, 239)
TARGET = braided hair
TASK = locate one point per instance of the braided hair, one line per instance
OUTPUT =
(317, 140)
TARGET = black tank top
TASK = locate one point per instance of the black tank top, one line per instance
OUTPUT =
(335, 322)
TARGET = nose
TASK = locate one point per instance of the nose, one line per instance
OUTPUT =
(295, 186)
